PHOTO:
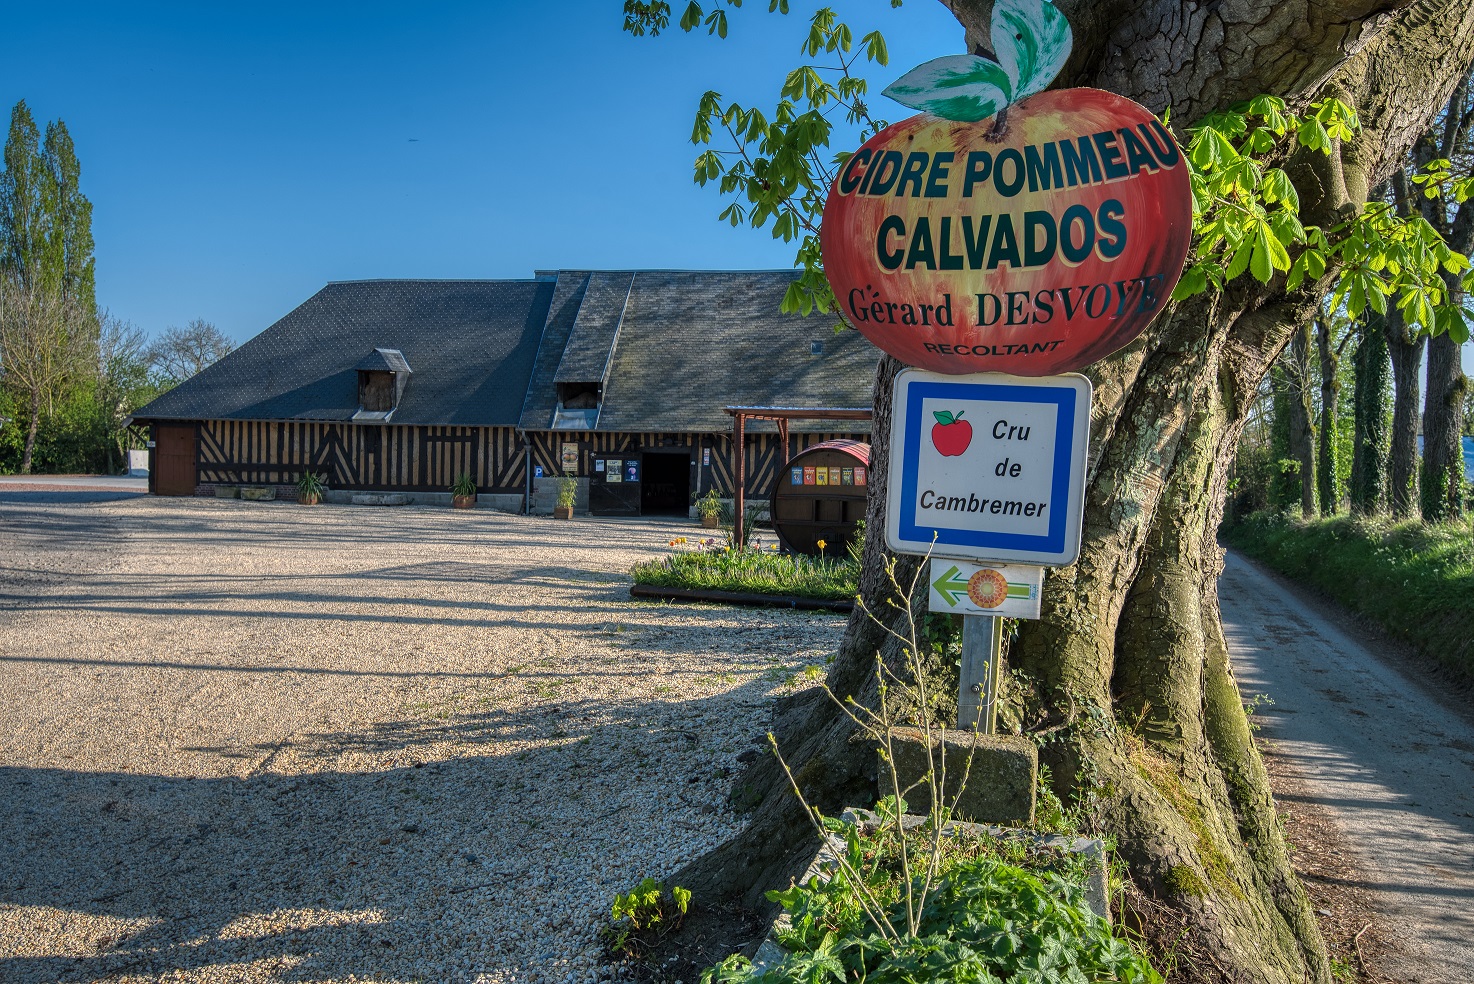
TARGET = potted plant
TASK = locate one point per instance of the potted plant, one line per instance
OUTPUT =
(709, 509)
(463, 492)
(310, 488)
(567, 494)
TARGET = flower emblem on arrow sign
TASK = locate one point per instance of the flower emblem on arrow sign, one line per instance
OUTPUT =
(950, 434)
(987, 589)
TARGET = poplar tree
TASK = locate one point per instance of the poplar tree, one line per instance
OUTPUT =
(48, 308)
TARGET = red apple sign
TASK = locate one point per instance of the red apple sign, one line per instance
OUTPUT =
(950, 434)
(1034, 240)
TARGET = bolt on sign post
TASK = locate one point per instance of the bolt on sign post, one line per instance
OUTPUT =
(1004, 229)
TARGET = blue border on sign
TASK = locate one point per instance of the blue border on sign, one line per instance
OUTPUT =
(1063, 397)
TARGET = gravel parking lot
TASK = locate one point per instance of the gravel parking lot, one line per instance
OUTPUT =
(260, 742)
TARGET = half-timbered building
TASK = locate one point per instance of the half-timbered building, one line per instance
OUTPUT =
(617, 378)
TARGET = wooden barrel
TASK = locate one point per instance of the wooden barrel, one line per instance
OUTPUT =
(821, 495)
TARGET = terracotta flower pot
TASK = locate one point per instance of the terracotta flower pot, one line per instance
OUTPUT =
(463, 501)
(562, 512)
(308, 500)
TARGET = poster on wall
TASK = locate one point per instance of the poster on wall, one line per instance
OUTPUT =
(570, 459)
(613, 474)
(631, 471)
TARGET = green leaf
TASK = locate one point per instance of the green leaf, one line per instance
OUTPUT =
(1313, 136)
(1194, 281)
(1277, 187)
(1032, 41)
(955, 87)
(691, 17)
(944, 417)
(875, 49)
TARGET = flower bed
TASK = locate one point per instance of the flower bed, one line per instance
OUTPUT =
(710, 565)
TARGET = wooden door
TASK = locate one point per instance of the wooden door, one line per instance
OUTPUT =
(174, 459)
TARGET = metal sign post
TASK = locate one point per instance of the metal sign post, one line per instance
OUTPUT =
(982, 654)
(988, 477)
(983, 596)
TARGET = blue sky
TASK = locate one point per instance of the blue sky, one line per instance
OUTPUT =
(240, 156)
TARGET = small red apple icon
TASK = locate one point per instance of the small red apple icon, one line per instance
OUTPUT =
(950, 434)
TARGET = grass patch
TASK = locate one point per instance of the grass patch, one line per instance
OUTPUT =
(1415, 579)
(754, 571)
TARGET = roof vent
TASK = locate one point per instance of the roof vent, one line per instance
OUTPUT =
(382, 377)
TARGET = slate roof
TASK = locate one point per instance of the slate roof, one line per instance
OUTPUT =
(382, 360)
(671, 347)
(472, 344)
(692, 342)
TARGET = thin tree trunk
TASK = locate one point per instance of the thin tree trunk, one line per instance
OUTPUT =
(1443, 424)
(1328, 460)
(1443, 411)
(1407, 370)
(1370, 442)
(1302, 432)
(31, 431)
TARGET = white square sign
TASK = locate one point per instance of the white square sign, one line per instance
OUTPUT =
(988, 466)
(960, 588)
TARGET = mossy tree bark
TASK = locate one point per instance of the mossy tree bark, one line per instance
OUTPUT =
(1442, 475)
(1370, 440)
(1131, 632)
(1327, 461)
(1302, 431)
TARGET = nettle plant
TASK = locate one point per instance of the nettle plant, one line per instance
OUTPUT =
(776, 168)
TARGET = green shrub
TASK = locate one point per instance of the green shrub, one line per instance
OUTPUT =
(463, 485)
(987, 920)
(1415, 579)
(716, 568)
(644, 914)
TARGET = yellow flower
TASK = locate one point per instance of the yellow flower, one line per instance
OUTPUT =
(822, 544)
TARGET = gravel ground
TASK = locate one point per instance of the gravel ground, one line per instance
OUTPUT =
(259, 742)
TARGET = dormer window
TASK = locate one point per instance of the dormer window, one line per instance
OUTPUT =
(382, 377)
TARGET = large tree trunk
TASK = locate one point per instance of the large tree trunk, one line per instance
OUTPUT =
(1131, 631)
(1406, 351)
(1369, 445)
(1302, 432)
(1328, 459)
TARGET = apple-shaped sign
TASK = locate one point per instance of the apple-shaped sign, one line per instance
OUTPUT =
(1008, 229)
(950, 435)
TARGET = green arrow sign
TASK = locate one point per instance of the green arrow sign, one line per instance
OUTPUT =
(951, 585)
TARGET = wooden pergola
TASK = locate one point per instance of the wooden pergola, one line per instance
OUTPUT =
(781, 416)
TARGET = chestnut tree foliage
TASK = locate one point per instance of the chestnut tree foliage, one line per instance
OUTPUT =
(1291, 113)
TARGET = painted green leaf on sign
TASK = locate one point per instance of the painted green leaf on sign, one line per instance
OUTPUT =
(1032, 40)
(955, 87)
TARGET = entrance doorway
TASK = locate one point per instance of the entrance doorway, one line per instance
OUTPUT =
(174, 459)
(665, 488)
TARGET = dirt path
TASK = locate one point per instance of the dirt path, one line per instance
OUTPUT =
(1379, 754)
(259, 742)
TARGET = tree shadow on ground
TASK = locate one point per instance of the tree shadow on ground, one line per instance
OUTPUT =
(417, 870)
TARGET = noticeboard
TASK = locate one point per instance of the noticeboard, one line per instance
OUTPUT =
(988, 467)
